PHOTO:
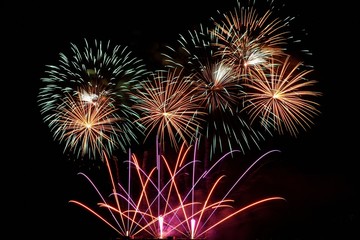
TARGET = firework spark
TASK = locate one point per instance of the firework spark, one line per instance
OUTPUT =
(168, 107)
(189, 212)
(282, 97)
(94, 72)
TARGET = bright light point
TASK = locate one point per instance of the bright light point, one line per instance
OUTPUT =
(161, 226)
(90, 98)
(192, 228)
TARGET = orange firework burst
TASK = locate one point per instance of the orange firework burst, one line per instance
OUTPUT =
(168, 106)
(279, 96)
(247, 38)
(87, 123)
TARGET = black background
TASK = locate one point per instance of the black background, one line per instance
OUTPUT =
(318, 175)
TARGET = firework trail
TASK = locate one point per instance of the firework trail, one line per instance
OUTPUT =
(168, 107)
(101, 74)
(282, 97)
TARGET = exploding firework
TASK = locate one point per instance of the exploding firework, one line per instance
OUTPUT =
(92, 74)
(247, 38)
(282, 97)
(87, 124)
(226, 127)
(218, 87)
(168, 107)
(176, 207)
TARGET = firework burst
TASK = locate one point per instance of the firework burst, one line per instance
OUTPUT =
(97, 71)
(88, 124)
(248, 38)
(168, 107)
(218, 88)
(217, 85)
(282, 97)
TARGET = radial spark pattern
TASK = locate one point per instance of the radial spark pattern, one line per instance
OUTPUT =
(96, 71)
(168, 107)
(247, 37)
(282, 97)
(87, 126)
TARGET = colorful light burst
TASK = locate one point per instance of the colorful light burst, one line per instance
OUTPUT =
(169, 108)
(98, 71)
(177, 206)
(217, 84)
(87, 124)
(282, 97)
(247, 37)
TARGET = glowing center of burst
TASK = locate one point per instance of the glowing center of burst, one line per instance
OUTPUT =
(167, 115)
(276, 95)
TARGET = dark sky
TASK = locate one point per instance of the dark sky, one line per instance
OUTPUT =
(317, 174)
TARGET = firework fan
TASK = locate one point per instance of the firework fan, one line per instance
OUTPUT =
(168, 107)
(282, 97)
(216, 83)
(90, 91)
(247, 37)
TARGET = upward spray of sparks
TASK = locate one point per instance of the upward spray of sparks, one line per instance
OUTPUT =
(181, 214)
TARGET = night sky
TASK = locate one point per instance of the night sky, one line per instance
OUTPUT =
(316, 172)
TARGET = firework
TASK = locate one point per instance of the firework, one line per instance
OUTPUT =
(217, 85)
(168, 107)
(87, 124)
(170, 209)
(226, 127)
(96, 71)
(248, 38)
(282, 97)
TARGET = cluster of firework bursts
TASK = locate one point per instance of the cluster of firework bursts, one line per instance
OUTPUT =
(226, 86)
